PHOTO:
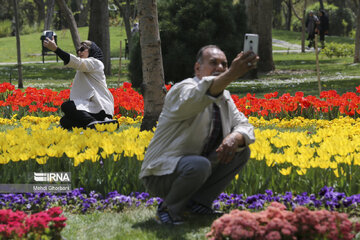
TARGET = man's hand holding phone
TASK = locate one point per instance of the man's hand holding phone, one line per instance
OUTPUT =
(243, 63)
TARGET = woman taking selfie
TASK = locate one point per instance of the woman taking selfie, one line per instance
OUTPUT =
(90, 99)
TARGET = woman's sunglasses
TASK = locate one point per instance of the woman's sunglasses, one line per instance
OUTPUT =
(81, 49)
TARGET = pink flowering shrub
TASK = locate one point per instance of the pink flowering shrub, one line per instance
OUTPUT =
(277, 223)
(43, 225)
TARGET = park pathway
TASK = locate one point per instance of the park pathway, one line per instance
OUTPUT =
(293, 48)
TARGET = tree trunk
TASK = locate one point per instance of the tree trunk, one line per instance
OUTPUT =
(303, 27)
(302, 19)
(99, 29)
(277, 18)
(41, 10)
(259, 21)
(50, 4)
(127, 22)
(289, 15)
(83, 16)
(357, 37)
(71, 21)
(20, 80)
(322, 4)
(152, 67)
(126, 14)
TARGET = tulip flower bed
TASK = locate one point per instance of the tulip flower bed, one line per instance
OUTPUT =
(46, 224)
(112, 159)
(295, 155)
(330, 105)
(45, 102)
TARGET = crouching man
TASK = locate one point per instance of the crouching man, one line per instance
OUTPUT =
(201, 140)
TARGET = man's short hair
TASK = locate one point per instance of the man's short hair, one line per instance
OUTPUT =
(199, 55)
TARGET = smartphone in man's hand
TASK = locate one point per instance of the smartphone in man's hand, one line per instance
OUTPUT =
(251, 42)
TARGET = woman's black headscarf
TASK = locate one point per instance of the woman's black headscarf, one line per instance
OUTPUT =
(96, 52)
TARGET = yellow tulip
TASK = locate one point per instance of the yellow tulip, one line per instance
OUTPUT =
(285, 171)
(301, 171)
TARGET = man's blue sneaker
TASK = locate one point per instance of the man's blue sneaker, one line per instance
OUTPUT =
(198, 208)
(163, 217)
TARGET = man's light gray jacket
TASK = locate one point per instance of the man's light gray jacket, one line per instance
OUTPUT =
(185, 124)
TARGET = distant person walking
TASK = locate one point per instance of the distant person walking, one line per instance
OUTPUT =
(323, 27)
(310, 24)
(135, 28)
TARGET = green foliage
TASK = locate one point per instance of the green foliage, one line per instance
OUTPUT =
(296, 23)
(103, 176)
(135, 64)
(186, 26)
(31, 44)
(341, 20)
(5, 28)
(257, 176)
(338, 50)
(27, 29)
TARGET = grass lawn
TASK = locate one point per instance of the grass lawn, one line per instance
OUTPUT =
(55, 76)
(31, 44)
(294, 71)
(137, 223)
(297, 72)
(295, 37)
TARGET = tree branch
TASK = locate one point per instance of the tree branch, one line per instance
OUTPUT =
(293, 9)
(356, 2)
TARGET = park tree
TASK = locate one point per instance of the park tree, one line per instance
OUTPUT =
(18, 48)
(338, 3)
(357, 36)
(302, 19)
(99, 29)
(40, 5)
(50, 4)
(81, 10)
(288, 13)
(186, 26)
(127, 8)
(6, 10)
(71, 22)
(259, 21)
(277, 14)
(152, 68)
(282, 9)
